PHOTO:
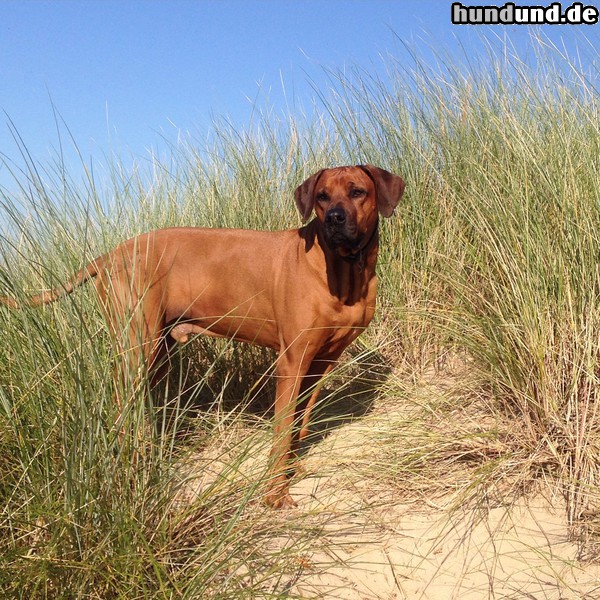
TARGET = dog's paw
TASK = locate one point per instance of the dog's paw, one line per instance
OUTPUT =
(279, 499)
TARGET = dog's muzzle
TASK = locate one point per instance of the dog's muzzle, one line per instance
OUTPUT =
(339, 231)
(335, 217)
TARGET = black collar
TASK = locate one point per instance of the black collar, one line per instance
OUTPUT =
(358, 256)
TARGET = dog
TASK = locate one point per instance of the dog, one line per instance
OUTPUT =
(307, 293)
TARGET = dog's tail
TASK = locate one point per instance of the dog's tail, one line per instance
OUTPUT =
(90, 271)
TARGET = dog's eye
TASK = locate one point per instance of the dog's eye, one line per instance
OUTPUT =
(357, 193)
(322, 197)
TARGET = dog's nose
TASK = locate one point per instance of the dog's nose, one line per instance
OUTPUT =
(335, 216)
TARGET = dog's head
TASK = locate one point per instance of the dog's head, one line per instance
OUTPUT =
(348, 201)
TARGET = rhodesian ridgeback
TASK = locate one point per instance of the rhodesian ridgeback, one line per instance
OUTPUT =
(307, 293)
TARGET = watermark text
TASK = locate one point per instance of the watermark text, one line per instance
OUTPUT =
(511, 14)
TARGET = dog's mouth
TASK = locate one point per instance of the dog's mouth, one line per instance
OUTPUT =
(344, 241)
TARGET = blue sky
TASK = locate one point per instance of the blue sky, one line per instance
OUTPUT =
(126, 74)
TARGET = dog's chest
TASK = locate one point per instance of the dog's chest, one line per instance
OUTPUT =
(346, 323)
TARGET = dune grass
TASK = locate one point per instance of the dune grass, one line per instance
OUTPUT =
(491, 263)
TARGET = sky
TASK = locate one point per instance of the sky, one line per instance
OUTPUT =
(129, 76)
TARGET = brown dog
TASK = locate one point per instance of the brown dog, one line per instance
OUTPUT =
(307, 293)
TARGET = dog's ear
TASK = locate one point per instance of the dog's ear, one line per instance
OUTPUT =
(305, 195)
(389, 188)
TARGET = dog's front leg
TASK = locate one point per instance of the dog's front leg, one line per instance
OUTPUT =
(309, 392)
(290, 374)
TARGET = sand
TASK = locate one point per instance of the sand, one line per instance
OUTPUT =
(376, 541)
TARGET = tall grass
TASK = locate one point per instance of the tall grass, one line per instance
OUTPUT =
(492, 258)
(497, 252)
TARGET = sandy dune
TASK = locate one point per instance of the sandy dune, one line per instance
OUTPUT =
(377, 542)
(419, 552)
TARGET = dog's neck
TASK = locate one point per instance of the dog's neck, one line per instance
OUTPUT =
(348, 277)
(359, 256)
